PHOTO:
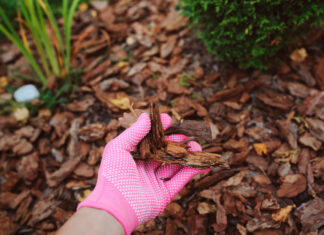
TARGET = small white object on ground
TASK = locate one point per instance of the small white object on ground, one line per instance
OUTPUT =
(26, 93)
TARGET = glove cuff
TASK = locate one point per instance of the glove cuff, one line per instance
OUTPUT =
(107, 197)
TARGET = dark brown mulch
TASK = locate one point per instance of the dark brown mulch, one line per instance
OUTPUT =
(268, 126)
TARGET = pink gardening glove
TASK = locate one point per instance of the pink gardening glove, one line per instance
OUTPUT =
(135, 192)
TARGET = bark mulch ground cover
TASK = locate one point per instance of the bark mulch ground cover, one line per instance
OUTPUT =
(269, 128)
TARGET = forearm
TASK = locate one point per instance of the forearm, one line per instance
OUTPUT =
(91, 221)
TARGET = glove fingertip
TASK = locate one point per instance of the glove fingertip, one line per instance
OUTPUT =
(166, 120)
(194, 146)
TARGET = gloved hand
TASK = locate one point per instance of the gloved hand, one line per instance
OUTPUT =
(135, 192)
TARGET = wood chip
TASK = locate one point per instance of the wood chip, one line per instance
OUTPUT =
(292, 185)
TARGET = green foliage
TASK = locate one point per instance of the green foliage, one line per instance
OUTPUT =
(10, 6)
(250, 32)
(53, 54)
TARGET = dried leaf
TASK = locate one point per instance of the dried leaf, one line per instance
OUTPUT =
(3, 82)
(83, 6)
(260, 149)
(282, 214)
(122, 103)
(21, 114)
(298, 55)
(85, 194)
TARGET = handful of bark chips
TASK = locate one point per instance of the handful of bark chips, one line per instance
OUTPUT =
(154, 147)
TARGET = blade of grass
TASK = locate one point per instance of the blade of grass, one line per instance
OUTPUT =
(23, 33)
(50, 15)
(39, 49)
(68, 17)
(13, 36)
(58, 42)
(11, 29)
(28, 55)
(55, 41)
(65, 19)
(36, 21)
(37, 37)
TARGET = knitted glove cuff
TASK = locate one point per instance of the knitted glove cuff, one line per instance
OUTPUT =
(107, 197)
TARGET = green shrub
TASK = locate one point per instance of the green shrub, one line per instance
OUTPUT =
(250, 32)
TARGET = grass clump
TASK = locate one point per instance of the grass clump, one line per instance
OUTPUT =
(49, 52)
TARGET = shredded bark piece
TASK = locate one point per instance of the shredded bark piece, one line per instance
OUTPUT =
(154, 147)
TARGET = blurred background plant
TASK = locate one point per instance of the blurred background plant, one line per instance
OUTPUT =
(250, 33)
(32, 26)
(10, 6)
(48, 46)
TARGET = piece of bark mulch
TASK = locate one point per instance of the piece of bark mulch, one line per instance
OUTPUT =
(311, 214)
(154, 147)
